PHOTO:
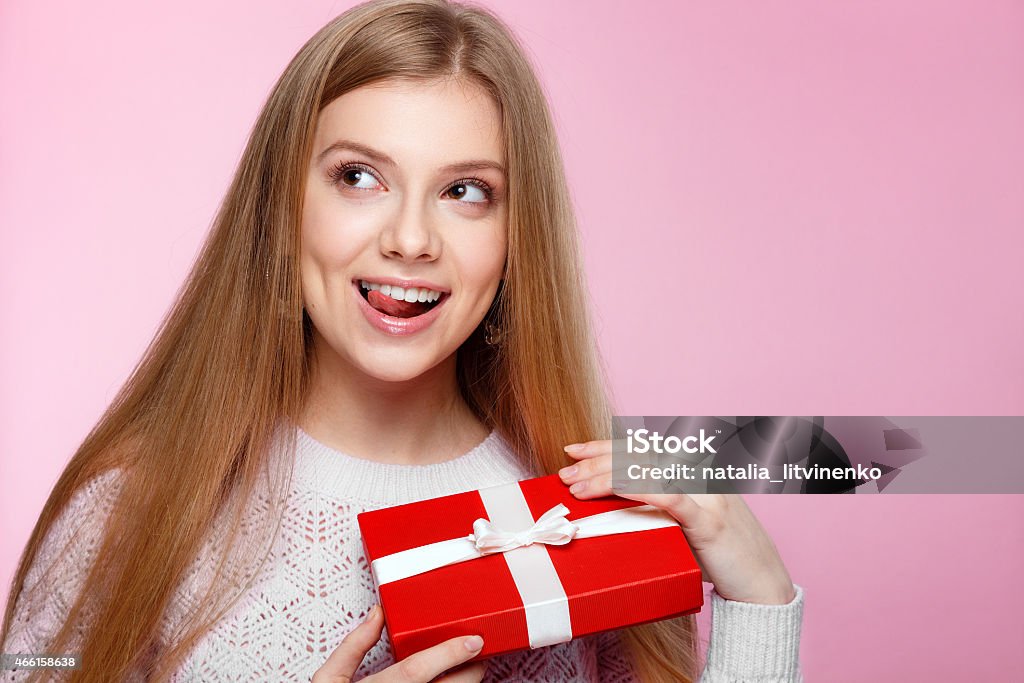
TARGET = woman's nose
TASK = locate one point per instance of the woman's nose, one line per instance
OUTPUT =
(411, 235)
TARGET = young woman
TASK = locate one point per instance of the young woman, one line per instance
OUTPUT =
(388, 308)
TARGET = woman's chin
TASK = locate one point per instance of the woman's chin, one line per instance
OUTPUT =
(401, 369)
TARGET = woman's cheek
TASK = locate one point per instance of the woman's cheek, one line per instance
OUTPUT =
(334, 238)
(483, 275)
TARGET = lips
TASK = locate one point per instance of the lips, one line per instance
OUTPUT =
(394, 316)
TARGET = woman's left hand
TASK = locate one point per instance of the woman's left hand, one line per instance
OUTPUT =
(733, 550)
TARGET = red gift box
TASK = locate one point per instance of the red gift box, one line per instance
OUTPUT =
(529, 596)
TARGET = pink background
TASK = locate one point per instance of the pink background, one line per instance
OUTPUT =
(811, 209)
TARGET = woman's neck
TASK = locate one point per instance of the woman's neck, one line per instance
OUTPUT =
(420, 421)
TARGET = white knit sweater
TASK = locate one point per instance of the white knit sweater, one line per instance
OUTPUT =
(316, 586)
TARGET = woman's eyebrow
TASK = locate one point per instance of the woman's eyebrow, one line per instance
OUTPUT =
(385, 160)
(476, 165)
(359, 148)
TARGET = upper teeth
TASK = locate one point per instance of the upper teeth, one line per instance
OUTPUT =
(409, 294)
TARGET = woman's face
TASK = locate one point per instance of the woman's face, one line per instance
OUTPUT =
(403, 225)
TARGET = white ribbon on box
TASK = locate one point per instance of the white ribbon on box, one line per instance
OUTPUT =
(512, 531)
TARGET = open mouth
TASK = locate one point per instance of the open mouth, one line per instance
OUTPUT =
(400, 302)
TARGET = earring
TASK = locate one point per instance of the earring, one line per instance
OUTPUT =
(494, 334)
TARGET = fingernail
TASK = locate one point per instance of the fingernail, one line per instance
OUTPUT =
(574, 448)
(567, 472)
(372, 614)
(473, 643)
(578, 487)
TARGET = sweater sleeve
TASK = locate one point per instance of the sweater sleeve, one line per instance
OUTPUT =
(55, 577)
(753, 643)
(749, 644)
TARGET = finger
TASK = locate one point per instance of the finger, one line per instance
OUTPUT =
(341, 665)
(590, 449)
(472, 672)
(586, 469)
(425, 665)
(593, 487)
(681, 506)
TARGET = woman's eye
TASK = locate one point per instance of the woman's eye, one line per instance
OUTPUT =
(357, 177)
(467, 192)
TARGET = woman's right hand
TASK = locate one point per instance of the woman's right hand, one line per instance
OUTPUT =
(425, 665)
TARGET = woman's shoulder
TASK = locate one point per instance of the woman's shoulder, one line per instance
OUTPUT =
(64, 557)
(71, 539)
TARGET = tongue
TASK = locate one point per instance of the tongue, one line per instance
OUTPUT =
(399, 309)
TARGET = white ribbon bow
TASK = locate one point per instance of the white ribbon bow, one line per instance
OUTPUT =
(552, 528)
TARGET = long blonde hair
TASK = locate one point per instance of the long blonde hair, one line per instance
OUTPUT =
(191, 430)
